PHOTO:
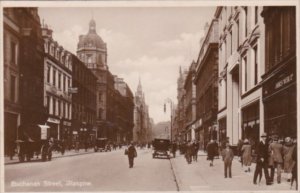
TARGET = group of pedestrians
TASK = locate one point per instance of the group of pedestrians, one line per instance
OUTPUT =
(274, 154)
(191, 151)
(271, 154)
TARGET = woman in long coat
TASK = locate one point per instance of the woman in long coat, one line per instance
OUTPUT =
(211, 151)
(246, 154)
(288, 163)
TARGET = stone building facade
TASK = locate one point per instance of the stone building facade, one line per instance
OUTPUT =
(12, 106)
(241, 64)
(190, 103)
(280, 76)
(92, 51)
(57, 82)
(206, 81)
(124, 107)
(84, 96)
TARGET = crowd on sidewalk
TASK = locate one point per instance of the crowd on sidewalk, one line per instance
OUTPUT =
(270, 154)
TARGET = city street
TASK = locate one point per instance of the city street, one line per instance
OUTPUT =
(108, 171)
(101, 171)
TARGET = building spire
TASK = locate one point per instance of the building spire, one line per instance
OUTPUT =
(92, 26)
(139, 89)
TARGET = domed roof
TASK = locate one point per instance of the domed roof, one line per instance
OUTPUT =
(92, 39)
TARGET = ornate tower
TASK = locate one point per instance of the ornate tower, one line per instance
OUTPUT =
(92, 51)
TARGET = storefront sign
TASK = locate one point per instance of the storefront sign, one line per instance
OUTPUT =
(75, 132)
(67, 123)
(281, 80)
(284, 81)
(44, 131)
(52, 120)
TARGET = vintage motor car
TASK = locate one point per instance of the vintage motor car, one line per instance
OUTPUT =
(101, 144)
(161, 148)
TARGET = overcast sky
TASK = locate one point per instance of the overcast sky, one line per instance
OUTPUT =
(150, 43)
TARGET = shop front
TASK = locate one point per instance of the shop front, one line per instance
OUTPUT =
(280, 102)
(222, 130)
(54, 125)
(250, 122)
(10, 131)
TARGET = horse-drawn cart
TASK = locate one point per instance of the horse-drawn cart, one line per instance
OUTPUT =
(34, 141)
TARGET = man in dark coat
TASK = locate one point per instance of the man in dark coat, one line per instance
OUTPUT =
(262, 160)
(188, 152)
(195, 150)
(131, 154)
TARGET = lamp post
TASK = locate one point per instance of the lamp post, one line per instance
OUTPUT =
(168, 100)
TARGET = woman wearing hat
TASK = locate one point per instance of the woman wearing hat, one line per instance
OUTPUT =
(288, 163)
(246, 154)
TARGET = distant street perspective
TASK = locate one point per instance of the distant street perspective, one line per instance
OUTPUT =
(185, 98)
(109, 171)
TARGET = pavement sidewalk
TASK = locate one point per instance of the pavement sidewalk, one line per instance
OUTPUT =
(55, 154)
(199, 176)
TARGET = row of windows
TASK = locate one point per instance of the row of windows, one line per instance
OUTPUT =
(281, 36)
(61, 55)
(58, 78)
(237, 29)
(80, 114)
(248, 18)
(58, 107)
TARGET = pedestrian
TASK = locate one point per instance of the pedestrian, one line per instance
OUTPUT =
(295, 168)
(188, 152)
(239, 149)
(62, 147)
(276, 150)
(174, 149)
(11, 149)
(288, 162)
(195, 150)
(131, 152)
(262, 160)
(246, 154)
(210, 148)
(227, 157)
(77, 146)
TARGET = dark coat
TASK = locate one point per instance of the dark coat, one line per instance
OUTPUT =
(131, 151)
(211, 150)
(262, 152)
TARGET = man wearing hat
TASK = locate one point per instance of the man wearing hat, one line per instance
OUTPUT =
(262, 160)
(276, 150)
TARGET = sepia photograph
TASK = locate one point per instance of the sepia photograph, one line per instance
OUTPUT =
(149, 96)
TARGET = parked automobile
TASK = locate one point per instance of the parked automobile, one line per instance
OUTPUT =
(101, 144)
(161, 148)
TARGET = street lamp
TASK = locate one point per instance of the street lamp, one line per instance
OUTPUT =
(168, 100)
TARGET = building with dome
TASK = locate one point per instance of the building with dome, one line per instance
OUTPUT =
(92, 51)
